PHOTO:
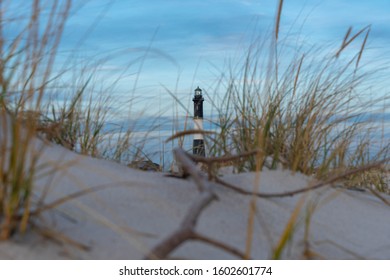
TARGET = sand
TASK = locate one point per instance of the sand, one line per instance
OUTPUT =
(136, 210)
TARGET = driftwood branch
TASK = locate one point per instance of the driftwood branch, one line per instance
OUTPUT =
(189, 167)
(196, 208)
(186, 230)
(331, 180)
(209, 162)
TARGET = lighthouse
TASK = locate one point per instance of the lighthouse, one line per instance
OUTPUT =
(198, 144)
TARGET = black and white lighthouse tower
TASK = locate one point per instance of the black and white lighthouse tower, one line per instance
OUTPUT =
(198, 145)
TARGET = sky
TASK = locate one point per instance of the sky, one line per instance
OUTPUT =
(162, 46)
(177, 45)
(189, 40)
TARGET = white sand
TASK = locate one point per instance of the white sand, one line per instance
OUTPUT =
(139, 209)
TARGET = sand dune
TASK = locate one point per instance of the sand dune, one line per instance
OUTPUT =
(133, 211)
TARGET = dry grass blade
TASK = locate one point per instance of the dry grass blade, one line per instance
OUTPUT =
(250, 229)
(347, 36)
(347, 42)
(362, 47)
(343, 248)
(72, 196)
(297, 76)
(61, 238)
(288, 230)
(278, 18)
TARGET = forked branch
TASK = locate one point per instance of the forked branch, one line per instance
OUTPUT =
(186, 230)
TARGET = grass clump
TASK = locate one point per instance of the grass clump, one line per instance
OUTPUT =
(78, 122)
(27, 60)
(304, 111)
(17, 170)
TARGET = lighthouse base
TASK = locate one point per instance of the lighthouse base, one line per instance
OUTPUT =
(198, 148)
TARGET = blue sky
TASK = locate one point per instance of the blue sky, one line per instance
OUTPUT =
(180, 44)
(189, 40)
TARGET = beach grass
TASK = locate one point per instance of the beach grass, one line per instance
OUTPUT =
(301, 111)
(27, 63)
(305, 111)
